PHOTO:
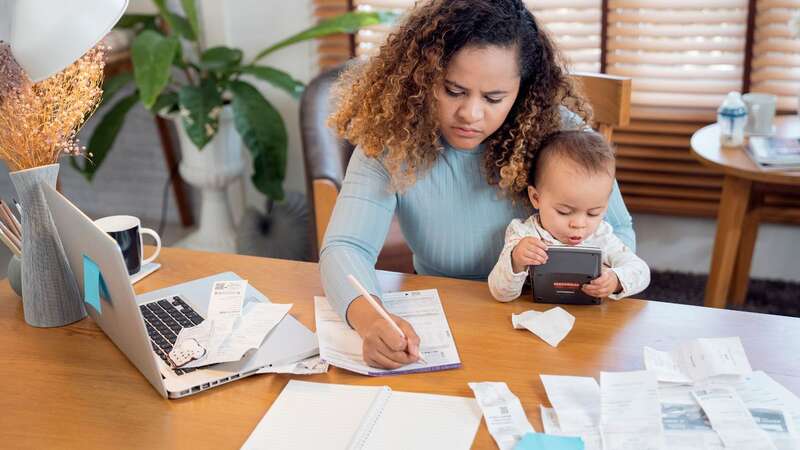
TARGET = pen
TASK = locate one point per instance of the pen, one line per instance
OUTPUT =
(378, 308)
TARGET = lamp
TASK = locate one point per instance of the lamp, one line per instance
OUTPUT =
(46, 36)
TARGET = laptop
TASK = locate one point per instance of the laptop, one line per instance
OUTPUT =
(143, 326)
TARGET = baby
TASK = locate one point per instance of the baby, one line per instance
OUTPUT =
(569, 184)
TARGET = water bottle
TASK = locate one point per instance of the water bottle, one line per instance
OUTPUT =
(731, 118)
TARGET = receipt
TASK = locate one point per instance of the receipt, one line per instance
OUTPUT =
(630, 413)
(576, 408)
(698, 359)
(590, 436)
(552, 325)
(731, 420)
(503, 412)
(227, 334)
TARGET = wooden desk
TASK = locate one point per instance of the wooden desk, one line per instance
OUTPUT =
(740, 210)
(71, 388)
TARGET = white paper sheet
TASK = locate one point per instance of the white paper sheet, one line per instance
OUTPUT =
(308, 366)
(503, 412)
(630, 413)
(590, 436)
(576, 401)
(341, 346)
(698, 359)
(731, 420)
(552, 325)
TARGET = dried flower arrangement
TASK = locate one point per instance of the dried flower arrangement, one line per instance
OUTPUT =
(39, 121)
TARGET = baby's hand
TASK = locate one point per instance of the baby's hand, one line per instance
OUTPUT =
(530, 251)
(604, 285)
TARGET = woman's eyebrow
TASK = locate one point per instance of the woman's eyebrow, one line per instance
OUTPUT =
(458, 86)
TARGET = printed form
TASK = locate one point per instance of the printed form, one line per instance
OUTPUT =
(630, 413)
(341, 346)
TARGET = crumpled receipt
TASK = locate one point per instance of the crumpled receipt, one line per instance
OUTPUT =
(552, 325)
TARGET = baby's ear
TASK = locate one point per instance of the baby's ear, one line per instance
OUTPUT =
(533, 196)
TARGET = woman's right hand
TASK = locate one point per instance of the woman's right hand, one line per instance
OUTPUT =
(383, 347)
(529, 251)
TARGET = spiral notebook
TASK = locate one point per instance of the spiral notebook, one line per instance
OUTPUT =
(318, 415)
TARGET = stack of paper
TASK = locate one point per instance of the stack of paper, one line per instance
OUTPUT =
(706, 397)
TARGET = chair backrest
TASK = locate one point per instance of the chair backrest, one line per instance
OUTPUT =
(326, 156)
(610, 97)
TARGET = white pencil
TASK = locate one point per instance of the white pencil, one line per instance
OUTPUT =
(378, 308)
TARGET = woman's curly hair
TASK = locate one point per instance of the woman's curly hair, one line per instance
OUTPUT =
(387, 105)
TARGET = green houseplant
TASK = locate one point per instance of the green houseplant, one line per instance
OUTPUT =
(173, 74)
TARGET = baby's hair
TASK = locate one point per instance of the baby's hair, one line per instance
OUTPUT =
(586, 148)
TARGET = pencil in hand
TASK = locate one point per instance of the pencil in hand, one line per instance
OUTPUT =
(364, 293)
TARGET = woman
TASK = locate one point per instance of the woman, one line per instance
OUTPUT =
(446, 119)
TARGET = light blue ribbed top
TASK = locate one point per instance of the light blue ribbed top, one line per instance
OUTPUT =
(453, 220)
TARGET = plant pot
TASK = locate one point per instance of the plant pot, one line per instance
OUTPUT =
(211, 169)
(50, 295)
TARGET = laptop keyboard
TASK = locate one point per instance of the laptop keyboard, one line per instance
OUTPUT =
(164, 319)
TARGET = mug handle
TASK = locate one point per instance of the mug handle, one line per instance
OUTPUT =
(148, 231)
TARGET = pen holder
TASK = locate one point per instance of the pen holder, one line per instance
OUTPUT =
(14, 274)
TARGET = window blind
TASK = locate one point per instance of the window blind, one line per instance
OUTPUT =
(683, 55)
(776, 53)
(574, 24)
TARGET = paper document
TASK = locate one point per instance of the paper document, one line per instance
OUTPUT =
(227, 334)
(731, 420)
(503, 412)
(590, 436)
(698, 359)
(576, 408)
(308, 366)
(630, 413)
(341, 346)
(320, 416)
(552, 325)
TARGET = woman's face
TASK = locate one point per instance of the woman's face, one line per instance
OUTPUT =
(480, 87)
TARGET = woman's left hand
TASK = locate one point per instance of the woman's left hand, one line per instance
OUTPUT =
(604, 285)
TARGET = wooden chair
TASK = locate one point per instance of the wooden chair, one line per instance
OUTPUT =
(326, 156)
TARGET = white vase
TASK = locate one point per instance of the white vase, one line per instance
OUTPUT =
(211, 170)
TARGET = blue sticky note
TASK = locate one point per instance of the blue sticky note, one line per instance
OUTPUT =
(541, 441)
(91, 283)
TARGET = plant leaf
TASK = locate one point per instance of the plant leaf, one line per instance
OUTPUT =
(190, 9)
(220, 58)
(264, 133)
(152, 56)
(346, 23)
(200, 109)
(105, 134)
(277, 78)
(132, 20)
(177, 24)
(112, 85)
(167, 102)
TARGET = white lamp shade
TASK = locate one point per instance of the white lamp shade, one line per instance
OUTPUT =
(46, 36)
